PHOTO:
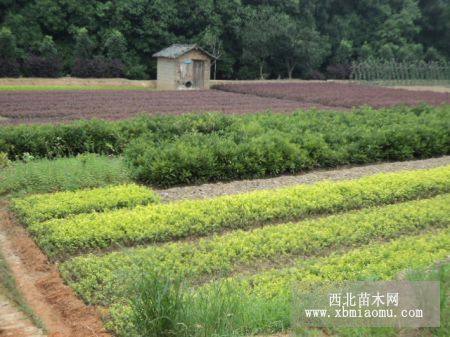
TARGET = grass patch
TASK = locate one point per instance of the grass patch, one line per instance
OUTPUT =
(63, 174)
(70, 87)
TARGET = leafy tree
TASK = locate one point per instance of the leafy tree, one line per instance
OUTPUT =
(248, 34)
(258, 35)
(84, 45)
(115, 45)
(9, 66)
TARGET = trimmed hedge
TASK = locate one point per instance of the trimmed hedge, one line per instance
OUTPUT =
(270, 144)
(98, 279)
(171, 150)
(41, 207)
(99, 136)
(158, 223)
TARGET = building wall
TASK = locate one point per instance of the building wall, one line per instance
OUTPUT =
(166, 74)
(172, 73)
(197, 55)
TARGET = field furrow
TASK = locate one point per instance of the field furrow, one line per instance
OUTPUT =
(262, 303)
(158, 223)
(98, 279)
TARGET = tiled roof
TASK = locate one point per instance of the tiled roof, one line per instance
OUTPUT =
(177, 50)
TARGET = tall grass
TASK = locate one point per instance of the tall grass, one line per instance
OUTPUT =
(63, 174)
(165, 307)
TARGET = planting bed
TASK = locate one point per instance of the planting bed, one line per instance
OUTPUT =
(53, 106)
(18, 107)
(339, 94)
(239, 247)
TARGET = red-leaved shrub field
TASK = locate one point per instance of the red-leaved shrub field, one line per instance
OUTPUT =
(52, 106)
(58, 106)
(339, 94)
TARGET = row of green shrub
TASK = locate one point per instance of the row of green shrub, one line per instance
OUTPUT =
(267, 145)
(99, 136)
(164, 222)
(41, 207)
(171, 150)
(62, 174)
(100, 279)
(262, 304)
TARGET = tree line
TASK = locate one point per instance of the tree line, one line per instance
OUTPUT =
(253, 38)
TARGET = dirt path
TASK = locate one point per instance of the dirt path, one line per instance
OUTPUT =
(241, 186)
(434, 88)
(62, 313)
(14, 323)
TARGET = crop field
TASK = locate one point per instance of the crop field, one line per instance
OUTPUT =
(84, 186)
(50, 106)
(57, 106)
(339, 94)
(240, 255)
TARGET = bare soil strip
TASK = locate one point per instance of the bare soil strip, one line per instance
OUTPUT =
(14, 323)
(434, 88)
(62, 313)
(241, 186)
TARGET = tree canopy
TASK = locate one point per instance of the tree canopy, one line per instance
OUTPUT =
(253, 38)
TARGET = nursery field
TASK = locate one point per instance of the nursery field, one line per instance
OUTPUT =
(145, 226)
(54, 105)
(339, 94)
(58, 106)
(228, 265)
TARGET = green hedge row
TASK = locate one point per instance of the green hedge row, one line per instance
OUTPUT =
(164, 222)
(270, 144)
(170, 150)
(99, 136)
(41, 207)
(99, 279)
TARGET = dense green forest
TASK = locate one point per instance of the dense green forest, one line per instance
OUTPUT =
(253, 39)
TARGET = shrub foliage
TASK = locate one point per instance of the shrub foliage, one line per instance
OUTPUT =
(158, 223)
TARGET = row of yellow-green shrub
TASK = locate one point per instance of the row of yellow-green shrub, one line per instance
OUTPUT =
(262, 303)
(99, 279)
(41, 207)
(158, 223)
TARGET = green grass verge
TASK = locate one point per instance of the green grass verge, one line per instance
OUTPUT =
(99, 279)
(261, 303)
(41, 207)
(158, 223)
(63, 174)
(70, 87)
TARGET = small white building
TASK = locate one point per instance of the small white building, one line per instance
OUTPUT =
(183, 66)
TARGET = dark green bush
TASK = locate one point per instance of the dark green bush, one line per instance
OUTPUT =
(271, 144)
(171, 150)
(101, 137)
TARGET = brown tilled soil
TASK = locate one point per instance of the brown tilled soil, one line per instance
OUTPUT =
(241, 186)
(61, 312)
